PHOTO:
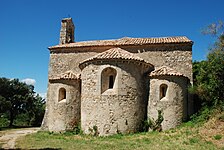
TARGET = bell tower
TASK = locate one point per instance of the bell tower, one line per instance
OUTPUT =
(67, 31)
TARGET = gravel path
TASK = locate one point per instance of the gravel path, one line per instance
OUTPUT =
(8, 137)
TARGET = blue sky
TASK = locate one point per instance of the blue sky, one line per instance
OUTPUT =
(28, 27)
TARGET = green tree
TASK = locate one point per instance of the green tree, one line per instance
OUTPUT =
(19, 98)
(35, 108)
(209, 74)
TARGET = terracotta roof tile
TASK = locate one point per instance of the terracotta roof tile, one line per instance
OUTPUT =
(164, 70)
(113, 54)
(68, 75)
(126, 41)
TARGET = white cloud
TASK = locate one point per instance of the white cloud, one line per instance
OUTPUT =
(29, 81)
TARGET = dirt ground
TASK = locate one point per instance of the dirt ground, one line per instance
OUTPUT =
(8, 137)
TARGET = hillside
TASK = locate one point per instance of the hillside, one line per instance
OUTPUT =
(209, 135)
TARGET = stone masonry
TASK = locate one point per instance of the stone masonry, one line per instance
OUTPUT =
(113, 86)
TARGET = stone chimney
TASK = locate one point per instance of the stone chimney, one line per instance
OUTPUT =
(67, 31)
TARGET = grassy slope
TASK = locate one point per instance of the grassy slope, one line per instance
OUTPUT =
(209, 135)
(137, 141)
(185, 137)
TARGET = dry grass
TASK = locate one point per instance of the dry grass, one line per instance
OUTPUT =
(182, 138)
(207, 136)
(213, 130)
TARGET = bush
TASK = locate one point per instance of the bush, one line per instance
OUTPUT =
(4, 122)
(202, 116)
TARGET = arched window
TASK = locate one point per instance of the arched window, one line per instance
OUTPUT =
(62, 94)
(163, 90)
(108, 77)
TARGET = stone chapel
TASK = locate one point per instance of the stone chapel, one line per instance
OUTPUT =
(115, 85)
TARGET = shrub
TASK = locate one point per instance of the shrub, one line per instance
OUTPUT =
(155, 125)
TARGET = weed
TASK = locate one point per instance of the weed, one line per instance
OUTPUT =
(209, 142)
(50, 132)
(193, 140)
(188, 124)
(218, 137)
(77, 129)
(156, 125)
(94, 130)
(145, 126)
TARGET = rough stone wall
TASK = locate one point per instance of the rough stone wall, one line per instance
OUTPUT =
(176, 56)
(117, 110)
(67, 31)
(65, 114)
(173, 105)
(62, 62)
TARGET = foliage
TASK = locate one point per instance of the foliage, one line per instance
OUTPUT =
(209, 74)
(36, 109)
(202, 116)
(155, 125)
(144, 126)
(214, 29)
(19, 102)
(4, 122)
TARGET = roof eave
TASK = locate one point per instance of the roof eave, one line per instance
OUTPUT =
(51, 48)
(82, 64)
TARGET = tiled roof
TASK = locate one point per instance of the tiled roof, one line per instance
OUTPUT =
(126, 41)
(68, 75)
(164, 70)
(114, 54)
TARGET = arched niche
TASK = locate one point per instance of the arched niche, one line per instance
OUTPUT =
(108, 77)
(163, 90)
(61, 94)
